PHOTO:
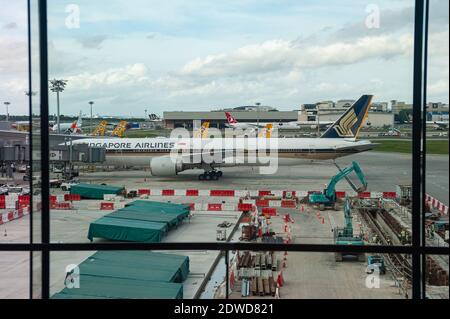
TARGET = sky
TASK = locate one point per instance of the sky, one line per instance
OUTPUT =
(129, 56)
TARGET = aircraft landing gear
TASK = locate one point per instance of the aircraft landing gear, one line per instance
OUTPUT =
(210, 176)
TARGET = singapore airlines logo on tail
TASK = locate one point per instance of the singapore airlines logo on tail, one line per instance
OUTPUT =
(344, 127)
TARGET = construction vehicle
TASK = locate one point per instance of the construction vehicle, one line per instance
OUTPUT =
(375, 263)
(344, 236)
(100, 129)
(327, 199)
(120, 129)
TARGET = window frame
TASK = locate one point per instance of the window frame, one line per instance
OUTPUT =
(418, 250)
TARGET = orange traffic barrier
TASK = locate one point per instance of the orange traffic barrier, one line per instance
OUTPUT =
(215, 207)
(192, 192)
(106, 206)
(286, 203)
(168, 192)
(269, 211)
(143, 191)
(245, 207)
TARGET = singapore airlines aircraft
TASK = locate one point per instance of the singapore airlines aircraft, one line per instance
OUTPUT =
(170, 156)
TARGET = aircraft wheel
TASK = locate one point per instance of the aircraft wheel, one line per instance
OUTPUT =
(220, 173)
(201, 177)
(207, 177)
(214, 177)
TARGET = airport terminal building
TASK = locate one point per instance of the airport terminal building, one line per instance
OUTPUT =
(324, 111)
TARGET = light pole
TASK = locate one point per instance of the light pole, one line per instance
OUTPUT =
(318, 121)
(146, 115)
(7, 111)
(257, 113)
(57, 86)
(90, 122)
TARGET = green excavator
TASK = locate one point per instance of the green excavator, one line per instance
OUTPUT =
(327, 199)
(344, 236)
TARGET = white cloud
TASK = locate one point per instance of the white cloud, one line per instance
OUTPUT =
(125, 76)
(14, 55)
(276, 55)
(439, 87)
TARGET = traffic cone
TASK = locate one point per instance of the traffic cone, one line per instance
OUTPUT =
(280, 279)
(303, 208)
(323, 220)
(232, 280)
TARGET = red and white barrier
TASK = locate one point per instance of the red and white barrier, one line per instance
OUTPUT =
(433, 202)
(11, 215)
(221, 207)
(285, 194)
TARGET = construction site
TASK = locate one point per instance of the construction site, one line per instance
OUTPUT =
(98, 207)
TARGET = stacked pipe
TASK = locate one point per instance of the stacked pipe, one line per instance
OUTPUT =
(256, 272)
(436, 276)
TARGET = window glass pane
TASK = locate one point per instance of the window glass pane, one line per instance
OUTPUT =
(155, 61)
(319, 276)
(437, 200)
(15, 275)
(14, 126)
(36, 292)
(437, 277)
(135, 274)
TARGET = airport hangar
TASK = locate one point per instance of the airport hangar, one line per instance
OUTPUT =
(218, 119)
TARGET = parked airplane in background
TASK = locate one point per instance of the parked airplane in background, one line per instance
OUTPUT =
(158, 153)
(233, 123)
(202, 132)
(440, 125)
(69, 128)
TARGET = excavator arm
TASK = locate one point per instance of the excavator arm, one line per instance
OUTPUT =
(343, 173)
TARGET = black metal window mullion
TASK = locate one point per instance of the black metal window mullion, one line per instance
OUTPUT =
(30, 148)
(424, 142)
(44, 112)
(417, 152)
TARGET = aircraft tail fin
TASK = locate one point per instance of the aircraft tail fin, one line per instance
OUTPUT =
(230, 119)
(120, 129)
(266, 131)
(349, 123)
(202, 132)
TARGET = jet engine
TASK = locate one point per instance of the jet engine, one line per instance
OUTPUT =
(166, 166)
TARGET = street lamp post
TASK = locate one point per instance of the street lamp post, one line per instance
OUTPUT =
(318, 121)
(90, 122)
(7, 111)
(57, 86)
(257, 113)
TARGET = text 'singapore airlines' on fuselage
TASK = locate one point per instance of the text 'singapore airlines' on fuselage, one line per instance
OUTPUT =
(169, 156)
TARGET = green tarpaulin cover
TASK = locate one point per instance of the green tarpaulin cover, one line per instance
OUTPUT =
(127, 230)
(151, 216)
(181, 210)
(176, 264)
(94, 191)
(129, 274)
(107, 287)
